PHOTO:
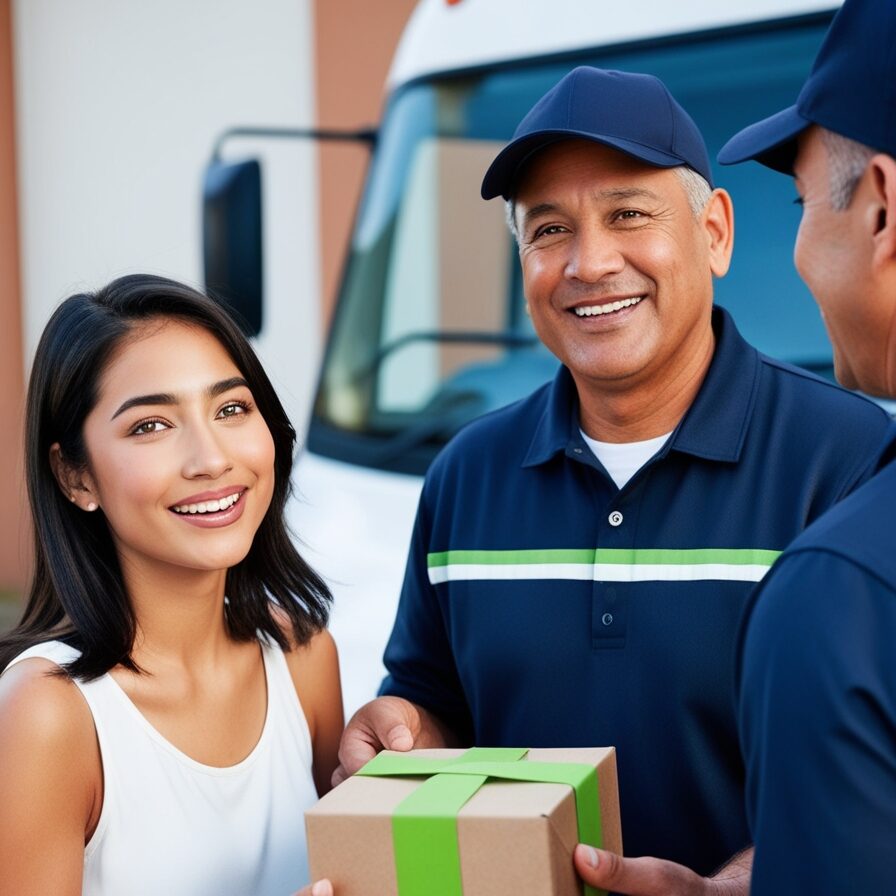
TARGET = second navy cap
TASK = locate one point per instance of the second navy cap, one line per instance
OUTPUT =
(851, 91)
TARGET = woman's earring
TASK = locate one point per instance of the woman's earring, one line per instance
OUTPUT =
(92, 506)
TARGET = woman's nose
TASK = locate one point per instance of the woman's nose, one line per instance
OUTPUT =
(205, 455)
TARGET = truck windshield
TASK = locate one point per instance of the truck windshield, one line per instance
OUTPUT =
(430, 329)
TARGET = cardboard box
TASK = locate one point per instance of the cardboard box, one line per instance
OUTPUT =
(513, 837)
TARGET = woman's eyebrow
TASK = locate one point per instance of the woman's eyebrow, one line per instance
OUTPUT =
(167, 398)
(225, 386)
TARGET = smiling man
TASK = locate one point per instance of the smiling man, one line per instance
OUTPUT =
(581, 558)
(817, 683)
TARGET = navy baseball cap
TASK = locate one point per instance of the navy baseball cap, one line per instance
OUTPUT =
(851, 91)
(633, 113)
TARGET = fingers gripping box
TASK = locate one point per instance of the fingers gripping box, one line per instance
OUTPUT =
(481, 822)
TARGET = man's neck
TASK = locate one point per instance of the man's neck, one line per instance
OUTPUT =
(636, 412)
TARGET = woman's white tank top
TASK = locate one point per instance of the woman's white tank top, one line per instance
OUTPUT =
(171, 826)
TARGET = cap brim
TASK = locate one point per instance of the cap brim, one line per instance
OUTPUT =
(771, 142)
(502, 174)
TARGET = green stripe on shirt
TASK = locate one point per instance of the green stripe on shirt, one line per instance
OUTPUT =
(603, 565)
(626, 556)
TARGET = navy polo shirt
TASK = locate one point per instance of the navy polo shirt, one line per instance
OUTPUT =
(543, 606)
(817, 704)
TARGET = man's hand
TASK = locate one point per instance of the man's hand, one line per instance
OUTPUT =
(656, 877)
(636, 877)
(387, 723)
(320, 888)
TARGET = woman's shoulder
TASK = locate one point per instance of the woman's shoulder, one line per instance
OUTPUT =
(319, 648)
(313, 666)
(35, 687)
(48, 747)
(41, 706)
(50, 775)
(314, 670)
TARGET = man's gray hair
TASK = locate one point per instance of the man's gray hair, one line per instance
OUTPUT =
(510, 217)
(695, 187)
(847, 161)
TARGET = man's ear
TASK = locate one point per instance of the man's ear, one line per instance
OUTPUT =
(880, 221)
(718, 220)
(881, 212)
(75, 483)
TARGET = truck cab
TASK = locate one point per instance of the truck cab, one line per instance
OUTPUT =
(430, 329)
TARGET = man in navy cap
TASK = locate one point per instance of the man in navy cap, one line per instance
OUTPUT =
(817, 680)
(580, 559)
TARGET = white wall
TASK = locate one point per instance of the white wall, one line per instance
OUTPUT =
(118, 105)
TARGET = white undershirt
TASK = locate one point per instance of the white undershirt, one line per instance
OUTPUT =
(623, 459)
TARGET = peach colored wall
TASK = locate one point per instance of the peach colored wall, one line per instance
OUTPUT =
(14, 537)
(354, 41)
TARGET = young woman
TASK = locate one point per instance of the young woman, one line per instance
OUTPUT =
(171, 700)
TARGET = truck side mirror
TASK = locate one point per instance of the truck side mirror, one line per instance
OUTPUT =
(231, 236)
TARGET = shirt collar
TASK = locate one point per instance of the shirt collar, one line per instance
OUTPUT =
(888, 452)
(713, 427)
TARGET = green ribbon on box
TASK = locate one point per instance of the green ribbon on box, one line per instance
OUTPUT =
(424, 825)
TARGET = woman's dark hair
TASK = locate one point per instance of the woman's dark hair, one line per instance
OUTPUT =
(78, 594)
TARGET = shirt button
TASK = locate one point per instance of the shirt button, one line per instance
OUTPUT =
(607, 619)
(615, 518)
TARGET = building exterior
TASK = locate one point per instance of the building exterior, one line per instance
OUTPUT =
(108, 112)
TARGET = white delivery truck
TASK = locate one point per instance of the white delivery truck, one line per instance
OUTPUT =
(429, 330)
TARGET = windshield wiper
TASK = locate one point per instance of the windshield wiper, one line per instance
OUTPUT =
(456, 337)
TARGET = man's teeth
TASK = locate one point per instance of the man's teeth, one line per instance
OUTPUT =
(589, 310)
(208, 506)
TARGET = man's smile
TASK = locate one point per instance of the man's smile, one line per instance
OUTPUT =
(606, 308)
